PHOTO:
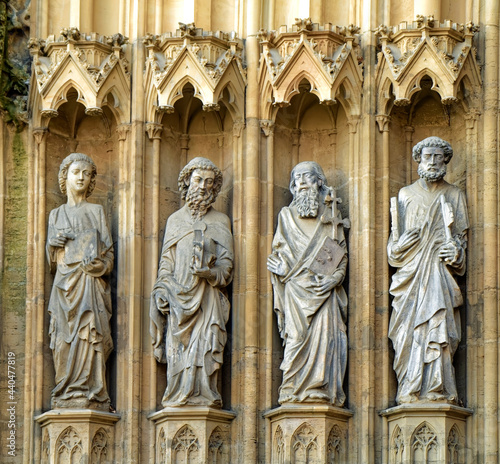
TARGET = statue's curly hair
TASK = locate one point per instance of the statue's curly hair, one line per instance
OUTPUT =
(66, 163)
(199, 163)
(432, 142)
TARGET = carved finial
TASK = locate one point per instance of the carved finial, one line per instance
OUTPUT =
(71, 33)
(304, 24)
(117, 40)
(430, 20)
(420, 21)
(150, 40)
(36, 45)
(266, 36)
(383, 31)
(187, 30)
(471, 28)
(352, 29)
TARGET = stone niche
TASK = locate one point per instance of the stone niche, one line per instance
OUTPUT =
(310, 434)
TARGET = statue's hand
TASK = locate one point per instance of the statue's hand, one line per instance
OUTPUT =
(202, 273)
(277, 265)
(323, 284)
(60, 239)
(450, 252)
(407, 240)
(160, 299)
(95, 267)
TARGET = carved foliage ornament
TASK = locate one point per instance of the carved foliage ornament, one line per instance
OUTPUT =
(329, 44)
(213, 51)
(95, 54)
(451, 42)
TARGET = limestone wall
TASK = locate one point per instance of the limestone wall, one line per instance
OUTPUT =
(266, 101)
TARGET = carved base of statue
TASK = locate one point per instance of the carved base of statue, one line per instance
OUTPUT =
(77, 435)
(426, 432)
(194, 434)
(79, 403)
(309, 433)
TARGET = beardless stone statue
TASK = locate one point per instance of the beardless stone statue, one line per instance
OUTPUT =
(80, 251)
(427, 246)
(196, 264)
(308, 265)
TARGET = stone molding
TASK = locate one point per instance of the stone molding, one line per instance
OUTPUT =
(412, 50)
(210, 61)
(437, 431)
(70, 434)
(94, 65)
(316, 431)
(326, 56)
(192, 434)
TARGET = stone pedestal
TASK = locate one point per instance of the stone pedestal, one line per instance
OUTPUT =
(77, 435)
(197, 435)
(426, 432)
(310, 434)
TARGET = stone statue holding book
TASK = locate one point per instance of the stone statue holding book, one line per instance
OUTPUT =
(308, 265)
(189, 306)
(427, 246)
(80, 252)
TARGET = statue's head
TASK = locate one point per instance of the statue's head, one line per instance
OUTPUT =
(199, 184)
(432, 155)
(307, 185)
(80, 162)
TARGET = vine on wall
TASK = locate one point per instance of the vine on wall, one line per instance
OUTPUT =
(15, 62)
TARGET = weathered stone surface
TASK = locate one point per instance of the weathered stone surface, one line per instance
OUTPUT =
(196, 264)
(427, 246)
(80, 251)
(308, 266)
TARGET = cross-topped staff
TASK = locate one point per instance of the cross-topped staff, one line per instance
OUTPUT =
(331, 201)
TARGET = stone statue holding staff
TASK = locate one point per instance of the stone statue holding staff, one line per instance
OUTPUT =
(308, 265)
(427, 246)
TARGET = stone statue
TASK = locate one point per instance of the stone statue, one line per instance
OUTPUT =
(196, 264)
(427, 246)
(308, 265)
(80, 251)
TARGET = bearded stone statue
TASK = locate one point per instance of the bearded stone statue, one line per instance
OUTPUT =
(427, 246)
(188, 297)
(308, 265)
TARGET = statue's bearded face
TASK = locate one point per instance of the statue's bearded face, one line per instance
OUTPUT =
(432, 166)
(306, 193)
(200, 194)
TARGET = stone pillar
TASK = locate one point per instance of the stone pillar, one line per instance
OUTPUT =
(267, 127)
(295, 146)
(409, 130)
(197, 435)
(309, 433)
(77, 435)
(184, 145)
(426, 433)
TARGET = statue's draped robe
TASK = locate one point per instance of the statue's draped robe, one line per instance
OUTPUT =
(197, 310)
(80, 309)
(312, 325)
(425, 322)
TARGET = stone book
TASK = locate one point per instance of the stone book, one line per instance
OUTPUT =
(85, 244)
(328, 257)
